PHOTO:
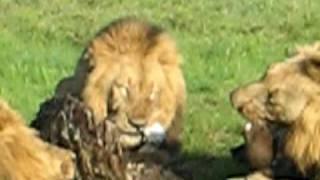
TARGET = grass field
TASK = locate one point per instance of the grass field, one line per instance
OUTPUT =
(224, 42)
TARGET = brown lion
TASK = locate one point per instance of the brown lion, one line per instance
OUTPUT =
(144, 61)
(25, 156)
(288, 94)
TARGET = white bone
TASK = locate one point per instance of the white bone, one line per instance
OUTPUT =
(155, 133)
(248, 126)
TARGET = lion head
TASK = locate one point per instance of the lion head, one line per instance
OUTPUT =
(288, 93)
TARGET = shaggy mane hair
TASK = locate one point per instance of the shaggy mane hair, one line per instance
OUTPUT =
(24, 156)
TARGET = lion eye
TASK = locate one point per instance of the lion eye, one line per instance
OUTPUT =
(240, 108)
(272, 101)
(90, 69)
(315, 63)
(271, 98)
(124, 92)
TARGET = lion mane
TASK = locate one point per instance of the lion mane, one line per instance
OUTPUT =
(25, 156)
(289, 93)
(144, 61)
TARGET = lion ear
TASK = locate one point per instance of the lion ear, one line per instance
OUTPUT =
(312, 67)
(311, 54)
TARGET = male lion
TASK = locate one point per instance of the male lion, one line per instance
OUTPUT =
(25, 156)
(143, 60)
(288, 94)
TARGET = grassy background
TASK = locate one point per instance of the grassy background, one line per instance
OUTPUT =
(225, 43)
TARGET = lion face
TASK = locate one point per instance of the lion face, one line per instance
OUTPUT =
(137, 102)
(139, 107)
(250, 101)
(280, 95)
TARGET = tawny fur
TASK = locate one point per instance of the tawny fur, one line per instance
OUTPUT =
(302, 140)
(296, 101)
(250, 102)
(289, 93)
(139, 56)
(24, 156)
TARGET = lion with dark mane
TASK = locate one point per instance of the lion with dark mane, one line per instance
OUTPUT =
(142, 63)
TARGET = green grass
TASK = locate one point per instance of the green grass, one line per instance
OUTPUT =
(225, 43)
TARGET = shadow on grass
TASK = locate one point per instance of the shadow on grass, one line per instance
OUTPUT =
(198, 166)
